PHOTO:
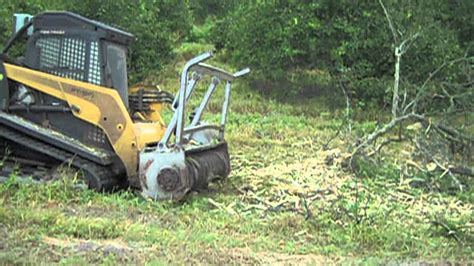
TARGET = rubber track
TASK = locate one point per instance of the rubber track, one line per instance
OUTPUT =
(54, 138)
(99, 178)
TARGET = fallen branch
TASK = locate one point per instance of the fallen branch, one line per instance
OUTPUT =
(462, 170)
(385, 143)
(416, 117)
(385, 129)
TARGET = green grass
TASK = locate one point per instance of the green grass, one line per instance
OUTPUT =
(363, 219)
(283, 203)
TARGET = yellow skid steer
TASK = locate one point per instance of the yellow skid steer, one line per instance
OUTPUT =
(66, 100)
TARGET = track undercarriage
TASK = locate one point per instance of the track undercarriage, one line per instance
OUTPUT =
(39, 156)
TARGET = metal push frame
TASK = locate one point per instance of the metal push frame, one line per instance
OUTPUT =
(195, 68)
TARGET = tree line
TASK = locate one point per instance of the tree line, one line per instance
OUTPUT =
(350, 40)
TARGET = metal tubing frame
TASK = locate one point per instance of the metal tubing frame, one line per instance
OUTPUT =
(225, 109)
(183, 94)
(213, 72)
(190, 130)
(178, 121)
(205, 101)
(190, 87)
(178, 118)
(195, 77)
(226, 104)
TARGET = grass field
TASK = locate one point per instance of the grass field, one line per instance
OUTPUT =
(287, 200)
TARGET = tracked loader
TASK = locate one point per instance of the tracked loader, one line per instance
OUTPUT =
(65, 101)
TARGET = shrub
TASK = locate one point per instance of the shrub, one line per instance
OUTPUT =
(348, 39)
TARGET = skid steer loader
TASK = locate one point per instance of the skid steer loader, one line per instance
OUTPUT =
(65, 100)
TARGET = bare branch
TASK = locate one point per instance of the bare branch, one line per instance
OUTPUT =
(453, 133)
(385, 143)
(392, 28)
(396, 98)
(375, 135)
(422, 89)
(462, 170)
(400, 49)
(403, 47)
(348, 106)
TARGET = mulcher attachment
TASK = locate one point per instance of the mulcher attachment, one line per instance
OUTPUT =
(207, 165)
(199, 152)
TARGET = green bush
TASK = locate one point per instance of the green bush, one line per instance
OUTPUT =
(348, 39)
(204, 9)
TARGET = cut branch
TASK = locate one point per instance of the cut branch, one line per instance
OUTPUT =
(462, 170)
(385, 129)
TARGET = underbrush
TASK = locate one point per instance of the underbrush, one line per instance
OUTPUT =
(286, 195)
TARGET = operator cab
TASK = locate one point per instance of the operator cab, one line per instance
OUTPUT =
(71, 46)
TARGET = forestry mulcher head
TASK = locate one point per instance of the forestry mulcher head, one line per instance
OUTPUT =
(65, 100)
(199, 151)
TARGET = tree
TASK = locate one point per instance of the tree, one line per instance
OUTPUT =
(349, 40)
(441, 134)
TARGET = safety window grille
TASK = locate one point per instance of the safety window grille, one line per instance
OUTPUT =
(50, 55)
(94, 64)
(64, 57)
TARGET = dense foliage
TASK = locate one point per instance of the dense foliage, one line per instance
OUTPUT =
(349, 41)
(345, 38)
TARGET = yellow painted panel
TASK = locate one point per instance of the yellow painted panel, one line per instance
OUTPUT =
(97, 105)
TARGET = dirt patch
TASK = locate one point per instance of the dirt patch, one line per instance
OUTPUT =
(115, 246)
(247, 256)
(241, 256)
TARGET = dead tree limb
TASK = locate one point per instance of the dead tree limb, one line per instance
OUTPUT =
(348, 107)
(400, 49)
(421, 92)
(392, 28)
(404, 109)
(384, 130)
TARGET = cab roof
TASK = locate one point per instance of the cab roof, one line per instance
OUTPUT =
(68, 21)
